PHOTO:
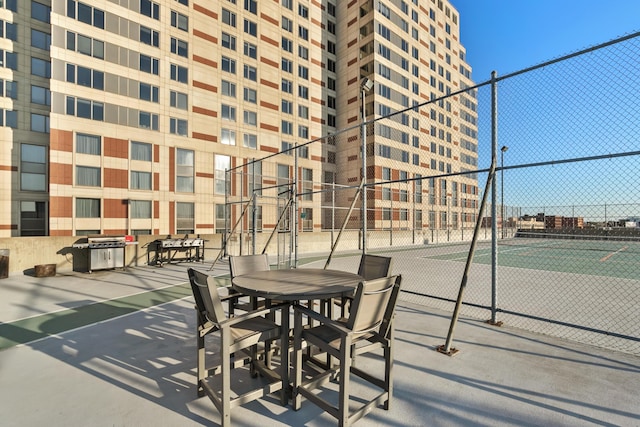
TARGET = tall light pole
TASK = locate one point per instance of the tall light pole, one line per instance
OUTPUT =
(365, 86)
(502, 151)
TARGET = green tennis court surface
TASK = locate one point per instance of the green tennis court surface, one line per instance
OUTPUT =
(592, 257)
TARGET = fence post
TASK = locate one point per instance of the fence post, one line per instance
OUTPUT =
(254, 215)
(494, 197)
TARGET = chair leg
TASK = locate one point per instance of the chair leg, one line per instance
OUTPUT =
(225, 342)
(344, 375)
(297, 360)
(285, 356)
(201, 365)
(388, 374)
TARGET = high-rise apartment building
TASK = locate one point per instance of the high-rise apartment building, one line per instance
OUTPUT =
(121, 116)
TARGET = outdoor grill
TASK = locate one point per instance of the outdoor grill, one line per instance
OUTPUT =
(104, 251)
(167, 250)
(94, 242)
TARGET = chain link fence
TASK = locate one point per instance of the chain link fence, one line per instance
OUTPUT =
(558, 240)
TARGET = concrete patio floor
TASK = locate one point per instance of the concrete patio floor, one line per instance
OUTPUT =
(134, 365)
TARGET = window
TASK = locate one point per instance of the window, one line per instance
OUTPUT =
(220, 218)
(306, 214)
(39, 123)
(250, 141)
(40, 67)
(303, 33)
(140, 151)
(303, 92)
(179, 20)
(307, 183)
(149, 64)
(228, 17)
(228, 41)
(140, 209)
(178, 126)
(287, 107)
(87, 208)
(181, 47)
(39, 95)
(149, 36)
(287, 65)
(148, 120)
(85, 45)
(40, 39)
(228, 65)
(303, 52)
(250, 28)
(140, 180)
(88, 144)
(40, 12)
(11, 5)
(287, 24)
(250, 118)
(250, 73)
(184, 170)
(287, 127)
(87, 77)
(222, 164)
(287, 45)
(228, 89)
(10, 118)
(149, 92)
(303, 72)
(178, 100)
(179, 74)
(33, 167)
(150, 9)
(185, 218)
(250, 50)
(227, 137)
(228, 112)
(85, 108)
(303, 11)
(303, 111)
(251, 6)
(88, 176)
(33, 217)
(287, 86)
(250, 95)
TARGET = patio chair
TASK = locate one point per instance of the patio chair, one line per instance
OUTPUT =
(369, 327)
(236, 335)
(371, 267)
(244, 264)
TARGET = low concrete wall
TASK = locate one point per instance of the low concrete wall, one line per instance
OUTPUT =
(27, 252)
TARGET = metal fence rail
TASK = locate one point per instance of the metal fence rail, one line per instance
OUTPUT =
(568, 156)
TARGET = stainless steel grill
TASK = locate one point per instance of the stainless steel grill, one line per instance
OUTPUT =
(168, 250)
(104, 251)
(106, 242)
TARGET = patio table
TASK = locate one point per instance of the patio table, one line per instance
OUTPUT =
(293, 285)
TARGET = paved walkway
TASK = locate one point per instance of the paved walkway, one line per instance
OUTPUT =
(116, 348)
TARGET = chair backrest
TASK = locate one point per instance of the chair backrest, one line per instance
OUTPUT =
(244, 264)
(374, 266)
(372, 304)
(206, 295)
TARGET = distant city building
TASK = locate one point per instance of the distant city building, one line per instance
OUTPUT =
(121, 116)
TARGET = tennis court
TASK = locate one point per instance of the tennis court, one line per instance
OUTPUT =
(591, 256)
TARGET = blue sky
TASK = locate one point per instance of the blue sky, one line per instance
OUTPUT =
(576, 109)
(509, 35)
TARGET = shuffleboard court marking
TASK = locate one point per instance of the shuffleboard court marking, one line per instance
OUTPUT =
(605, 258)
